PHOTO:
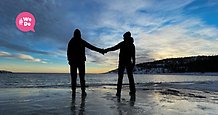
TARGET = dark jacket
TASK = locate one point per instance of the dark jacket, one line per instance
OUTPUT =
(76, 50)
(127, 51)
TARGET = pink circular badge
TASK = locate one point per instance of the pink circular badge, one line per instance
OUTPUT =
(25, 22)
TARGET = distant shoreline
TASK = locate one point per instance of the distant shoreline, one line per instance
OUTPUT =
(5, 71)
(190, 73)
(185, 73)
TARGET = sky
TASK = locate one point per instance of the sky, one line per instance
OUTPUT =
(160, 28)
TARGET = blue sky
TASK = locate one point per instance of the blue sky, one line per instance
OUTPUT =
(161, 29)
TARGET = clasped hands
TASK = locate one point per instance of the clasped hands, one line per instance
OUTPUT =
(103, 51)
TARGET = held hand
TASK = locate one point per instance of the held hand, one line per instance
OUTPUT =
(102, 51)
(105, 50)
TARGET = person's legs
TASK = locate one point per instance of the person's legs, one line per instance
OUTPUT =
(73, 73)
(120, 78)
(82, 77)
(131, 79)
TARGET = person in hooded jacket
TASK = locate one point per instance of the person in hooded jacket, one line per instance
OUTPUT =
(126, 61)
(76, 59)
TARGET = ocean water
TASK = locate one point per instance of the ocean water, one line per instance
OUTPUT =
(49, 80)
(49, 94)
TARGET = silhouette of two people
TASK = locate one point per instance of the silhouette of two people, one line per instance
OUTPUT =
(76, 59)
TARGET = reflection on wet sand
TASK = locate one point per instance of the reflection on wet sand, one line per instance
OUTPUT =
(122, 105)
(74, 108)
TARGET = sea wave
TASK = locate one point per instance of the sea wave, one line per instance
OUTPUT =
(55, 86)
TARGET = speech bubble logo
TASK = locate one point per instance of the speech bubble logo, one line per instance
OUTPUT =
(25, 22)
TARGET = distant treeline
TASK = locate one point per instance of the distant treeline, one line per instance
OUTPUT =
(179, 65)
(4, 71)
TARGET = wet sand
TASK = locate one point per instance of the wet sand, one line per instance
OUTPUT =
(165, 99)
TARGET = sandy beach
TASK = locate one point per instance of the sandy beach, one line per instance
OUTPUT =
(151, 98)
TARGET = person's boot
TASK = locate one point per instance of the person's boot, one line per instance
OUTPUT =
(118, 94)
(73, 93)
(84, 94)
(132, 97)
(131, 93)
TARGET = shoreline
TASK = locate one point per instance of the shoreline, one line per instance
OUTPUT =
(166, 99)
(186, 73)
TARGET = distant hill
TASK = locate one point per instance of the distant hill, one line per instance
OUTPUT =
(4, 71)
(178, 65)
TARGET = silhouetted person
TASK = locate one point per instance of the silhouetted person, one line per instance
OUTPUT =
(76, 57)
(126, 60)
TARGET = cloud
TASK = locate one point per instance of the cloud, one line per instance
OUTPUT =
(8, 45)
(21, 56)
(161, 29)
(4, 54)
(28, 57)
(55, 22)
(181, 40)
